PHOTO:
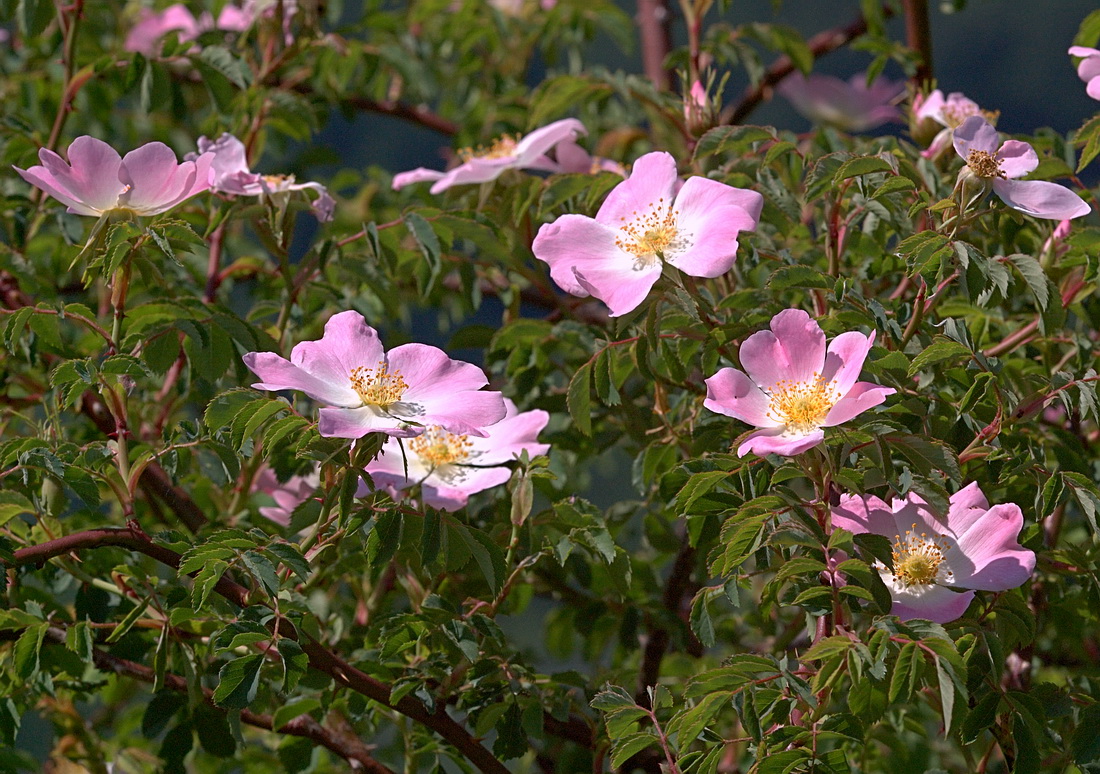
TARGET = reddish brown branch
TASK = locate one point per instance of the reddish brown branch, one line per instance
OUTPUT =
(390, 107)
(655, 30)
(347, 747)
(677, 585)
(320, 657)
(918, 36)
(820, 44)
(154, 481)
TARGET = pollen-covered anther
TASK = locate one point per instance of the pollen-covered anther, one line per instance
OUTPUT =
(438, 447)
(917, 558)
(276, 182)
(802, 406)
(500, 148)
(377, 386)
(984, 164)
(955, 113)
(648, 234)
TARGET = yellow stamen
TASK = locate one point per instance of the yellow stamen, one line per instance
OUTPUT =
(499, 148)
(648, 234)
(802, 406)
(438, 447)
(377, 386)
(917, 559)
(275, 182)
(955, 113)
(984, 164)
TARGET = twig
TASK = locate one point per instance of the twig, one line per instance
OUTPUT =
(350, 749)
(320, 657)
(820, 44)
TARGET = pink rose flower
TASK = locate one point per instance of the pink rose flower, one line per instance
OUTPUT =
(949, 112)
(794, 386)
(288, 494)
(232, 176)
(484, 164)
(146, 181)
(367, 390)
(850, 105)
(645, 222)
(997, 165)
(1088, 69)
(451, 467)
(144, 37)
(976, 548)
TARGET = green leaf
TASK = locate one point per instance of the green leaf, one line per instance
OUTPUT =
(907, 669)
(295, 662)
(579, 399)
(731, 141)
(828, 647)
(862, 165)
(1034, 276)
(1086, 741)
(27, 647)
(698, 485)
(700, 621)
(940, 350)
(981, 717)
(294, 709)
(630, 745)
(238, 682)
(13, 504)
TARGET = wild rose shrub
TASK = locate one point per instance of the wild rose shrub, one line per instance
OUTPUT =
(780, 460)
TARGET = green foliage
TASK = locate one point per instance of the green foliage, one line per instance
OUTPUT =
(642, 596)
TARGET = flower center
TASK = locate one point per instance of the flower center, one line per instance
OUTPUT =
(277, 182)
(648, 235)
(954, 113)
(500, 148)
(917, 559)
(438, 447)
(377, 386)
(984, 164)
(802, 406)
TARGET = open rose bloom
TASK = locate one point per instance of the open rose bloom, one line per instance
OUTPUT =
(480, 165)
(646, 221)
(96, 180)
(949, 112)
(793, 386)
(975, 547)
(232, 176)
(996, 165)
(451, 467)
(850, 105)
(366, 389)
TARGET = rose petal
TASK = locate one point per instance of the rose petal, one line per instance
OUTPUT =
(1041, 199)
(975, 133)
(864, 514)
(1017, 158)
(793, 350)
(776, 441)
(732, 393)
(651, 185)
(862, 396)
